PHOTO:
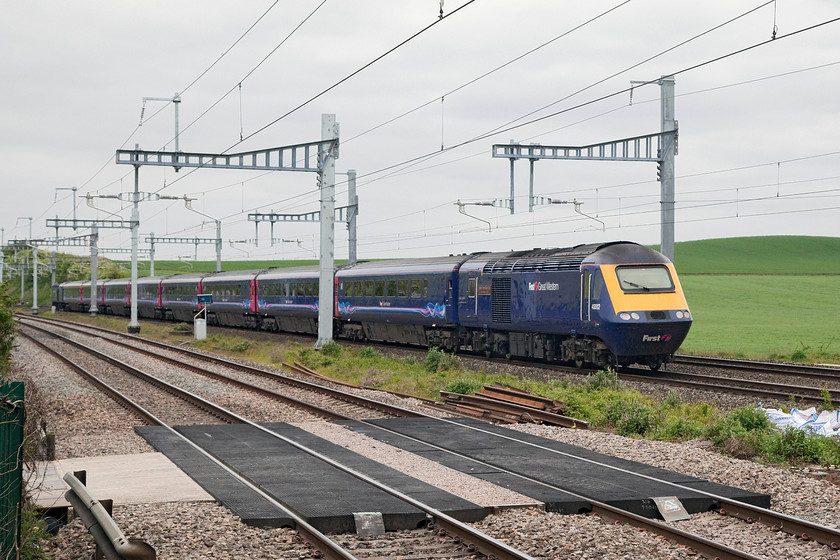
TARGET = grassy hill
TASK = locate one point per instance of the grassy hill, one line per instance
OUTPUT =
(763, 297)
(759, 255)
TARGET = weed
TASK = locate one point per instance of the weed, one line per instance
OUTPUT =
(182, 327)
(32, 533)
(630, 418)
(604, 379)
(799, 355)
(240, 346)
(437, 360)
(677, 430)
(331, 349)
(369, 353)
(463, 386)
(826, 395)
(792, 446)
(672, 399)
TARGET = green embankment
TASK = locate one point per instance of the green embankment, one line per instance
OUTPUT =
(763, 297)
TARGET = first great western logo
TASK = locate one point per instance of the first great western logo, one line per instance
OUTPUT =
(543, 286)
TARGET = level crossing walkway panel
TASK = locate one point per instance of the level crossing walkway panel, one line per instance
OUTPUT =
(493, 452)
(326, 497)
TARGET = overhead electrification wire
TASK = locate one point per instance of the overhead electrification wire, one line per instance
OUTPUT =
(418, 159)
(238, 85)
(488, 73)
(624, 71)
(221, 56)
(325, 91)
(361, 69)
(192, 83)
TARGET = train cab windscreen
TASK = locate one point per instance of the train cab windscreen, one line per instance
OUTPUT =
(643, 279)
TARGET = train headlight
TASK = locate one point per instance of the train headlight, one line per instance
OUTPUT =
(679, 314)
(635, 315)
(683, 315)
(624, 316)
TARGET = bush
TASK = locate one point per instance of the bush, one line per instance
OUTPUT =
(7, 328)
(630, 418)
(463, 386)
(331, 349)
(751, 418)
(603, 379)
(438, 360)
(369, 353)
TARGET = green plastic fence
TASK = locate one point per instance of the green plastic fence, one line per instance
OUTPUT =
(11, 475)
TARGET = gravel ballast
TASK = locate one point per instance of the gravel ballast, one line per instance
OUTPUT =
(88, 424)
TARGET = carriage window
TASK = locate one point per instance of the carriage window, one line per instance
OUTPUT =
(416, 287)
(644, 279)
(425, 288)
(402, 288)
(392, 288)
(315, 287)
(471, 287)
(380, 289)
(368, 288)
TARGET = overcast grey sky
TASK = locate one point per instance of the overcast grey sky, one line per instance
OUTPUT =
(759, 147)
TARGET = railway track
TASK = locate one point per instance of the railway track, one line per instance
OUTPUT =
(461, 539)
(827, 536)
(752, 387)
(330, 403)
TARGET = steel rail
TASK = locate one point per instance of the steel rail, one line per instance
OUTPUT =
(303, 405)
(334, 393)
(191, 398)
(330, 549)
(484, 544)
(775, 520)
(114, 394)
(520, 411)
(806, 370)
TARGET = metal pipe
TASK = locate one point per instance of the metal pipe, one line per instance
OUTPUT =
(128, 549)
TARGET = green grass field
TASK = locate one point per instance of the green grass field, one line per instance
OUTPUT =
(763, 297)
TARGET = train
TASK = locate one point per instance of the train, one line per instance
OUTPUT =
(602, 304)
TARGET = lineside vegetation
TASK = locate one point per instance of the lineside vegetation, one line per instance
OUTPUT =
(599, 399)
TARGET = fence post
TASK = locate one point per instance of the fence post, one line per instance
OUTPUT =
(11, 466)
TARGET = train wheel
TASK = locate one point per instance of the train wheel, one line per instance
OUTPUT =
(654, 364)
(579, 362)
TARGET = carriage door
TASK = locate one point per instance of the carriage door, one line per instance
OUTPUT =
(591, 285)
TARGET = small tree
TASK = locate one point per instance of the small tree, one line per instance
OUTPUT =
(7, 328)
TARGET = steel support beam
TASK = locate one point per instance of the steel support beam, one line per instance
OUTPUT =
(299, 157)
(326, 175)
(668, 217)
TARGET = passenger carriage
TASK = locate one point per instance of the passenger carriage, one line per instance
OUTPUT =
(288, 299)
(411, 301)
(179, 296)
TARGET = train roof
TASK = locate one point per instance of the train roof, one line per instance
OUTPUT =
(231, 275)
(567, 258)
(289, 273)
(187, 278)
(403, 266)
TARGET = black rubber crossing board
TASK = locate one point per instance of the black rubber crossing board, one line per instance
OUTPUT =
(573, 469)
(326, 497)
